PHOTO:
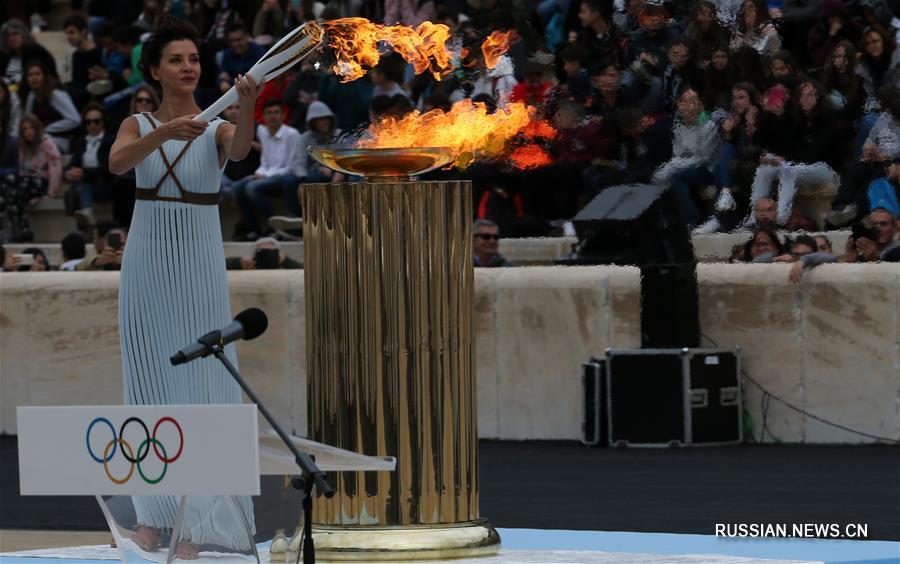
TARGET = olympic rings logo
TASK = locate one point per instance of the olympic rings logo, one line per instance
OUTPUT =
(118, 440)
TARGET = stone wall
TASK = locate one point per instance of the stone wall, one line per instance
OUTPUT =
(830, 345)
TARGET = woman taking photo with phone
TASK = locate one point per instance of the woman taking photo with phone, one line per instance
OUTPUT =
(173, 284)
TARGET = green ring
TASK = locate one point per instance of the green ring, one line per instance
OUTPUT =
(145, 446)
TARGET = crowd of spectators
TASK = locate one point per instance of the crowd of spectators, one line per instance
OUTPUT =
(753, 98)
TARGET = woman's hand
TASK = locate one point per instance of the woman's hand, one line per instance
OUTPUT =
(247, 90)
(183, 128)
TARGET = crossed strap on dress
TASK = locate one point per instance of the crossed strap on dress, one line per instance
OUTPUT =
(186, 197)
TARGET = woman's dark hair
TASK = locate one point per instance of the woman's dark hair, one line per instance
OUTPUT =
(30, 149)
(170, 29)
(804, 240)
(5, 116)
(762, 13)
(823, 101)
(35, 252)
(770, 233)
(846, 82)
(751, 91)
(50, 83)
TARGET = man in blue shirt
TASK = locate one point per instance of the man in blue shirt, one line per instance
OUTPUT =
(239, 56)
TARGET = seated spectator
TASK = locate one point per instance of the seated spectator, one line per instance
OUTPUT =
(881, 146)
(39, 177)
(277, 175)
(8, 262)
(109, 242)
(808, 158)
(719, 77)
(88, 171)
(705, 33)
(575, 76)
(144, 100)
(112, 63)
(681, 72)
(755, 28)
(885, 192)
(85, 56)
(320, 130)
(268, 27)
(823, 244)
(738, 158)
(350, 101)
(18, 48)
(127, 41)
(220, 17)
(73, 251)
(273, 89)
(694, 152)
(833, 26)
(150, 15)
(763, 246)
(607, 92)
(879, 67)
(486, 234)
(597, 38)
(534, 86)
(240, 55)
(784, 71)
(806, 253)
(267, 255)
(647, 46)
(41, 96)
(844, 86)
(39, 262)
(873, 238)
(644, 141)
(387, 77)
(765, 214)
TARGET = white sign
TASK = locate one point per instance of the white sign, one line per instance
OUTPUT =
(138, 450)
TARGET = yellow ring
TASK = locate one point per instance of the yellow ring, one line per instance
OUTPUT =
(125, 445)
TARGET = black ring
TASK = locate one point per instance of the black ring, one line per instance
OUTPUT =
(122, 437)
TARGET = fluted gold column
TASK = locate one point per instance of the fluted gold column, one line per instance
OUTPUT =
(391, 369)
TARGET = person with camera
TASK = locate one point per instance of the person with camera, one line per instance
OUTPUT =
(267, 255)
(873, 238)
(109, 241)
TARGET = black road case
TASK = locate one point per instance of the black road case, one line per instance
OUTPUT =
(663, 397)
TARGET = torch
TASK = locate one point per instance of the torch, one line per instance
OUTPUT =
(283, 55)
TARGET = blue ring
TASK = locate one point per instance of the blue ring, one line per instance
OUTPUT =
(87, 439)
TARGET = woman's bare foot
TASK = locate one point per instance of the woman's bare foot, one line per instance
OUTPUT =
(187, 551)
(147, 538)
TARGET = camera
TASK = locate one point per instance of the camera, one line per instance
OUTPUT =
(864, 229)
(266, 259)
(114, 241)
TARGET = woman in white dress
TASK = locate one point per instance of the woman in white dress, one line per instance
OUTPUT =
(173, 284)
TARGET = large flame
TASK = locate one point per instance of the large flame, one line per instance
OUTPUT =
(495, 45)
(468, 129)
(355, 45)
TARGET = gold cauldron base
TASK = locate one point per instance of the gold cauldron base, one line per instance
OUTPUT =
(392, 544)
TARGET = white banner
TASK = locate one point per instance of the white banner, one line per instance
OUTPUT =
(138, 450)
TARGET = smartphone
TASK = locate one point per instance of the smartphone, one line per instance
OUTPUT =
(113, 241)
(25, 260)
(266, 258)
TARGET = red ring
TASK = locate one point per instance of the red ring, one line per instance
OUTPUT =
(180, 437)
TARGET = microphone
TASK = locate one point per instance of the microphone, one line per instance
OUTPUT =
(248, 324)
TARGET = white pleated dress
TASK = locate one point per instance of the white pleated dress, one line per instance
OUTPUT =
(173, 289)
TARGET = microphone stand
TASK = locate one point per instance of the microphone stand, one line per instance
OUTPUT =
(312, 477)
